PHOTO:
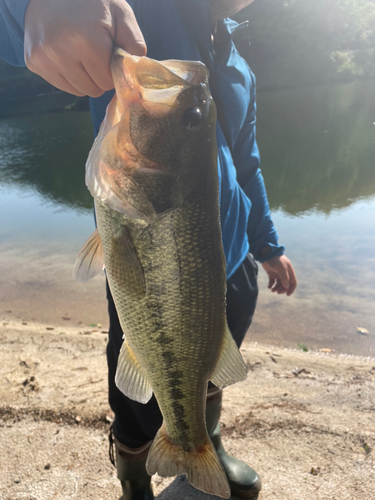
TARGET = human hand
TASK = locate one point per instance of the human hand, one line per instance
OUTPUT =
(69, 43)
(281, 275)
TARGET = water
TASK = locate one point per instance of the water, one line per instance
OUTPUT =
(318, 160)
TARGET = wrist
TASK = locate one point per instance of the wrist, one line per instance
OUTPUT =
(265, 251)
(270, 252)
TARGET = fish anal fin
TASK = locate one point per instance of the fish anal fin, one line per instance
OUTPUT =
(130, 378)
(90, 259)
(201, 466)
(230, 367)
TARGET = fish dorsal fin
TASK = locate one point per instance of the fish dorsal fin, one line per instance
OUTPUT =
(230, 368)
(90, 259)
(130, 378)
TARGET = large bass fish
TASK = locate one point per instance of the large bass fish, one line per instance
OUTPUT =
(153, 174)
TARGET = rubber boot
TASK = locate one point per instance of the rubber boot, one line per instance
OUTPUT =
(131, 471)
(244, 481)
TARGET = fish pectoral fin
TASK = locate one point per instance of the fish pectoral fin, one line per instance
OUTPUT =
(90, 259)
(125, 260)
(130, 378)
(230, 368)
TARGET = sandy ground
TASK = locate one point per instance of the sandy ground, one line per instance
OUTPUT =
(305, 421)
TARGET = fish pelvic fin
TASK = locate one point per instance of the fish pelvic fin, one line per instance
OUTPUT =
(230, 367)
(202, 466)
(130, 378)
(90, 259)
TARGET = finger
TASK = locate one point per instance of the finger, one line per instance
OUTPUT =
(271, 282)
(86, 65)
(52, 76)
(59, 81)
(78, 77)
(283, 275)
(128, 34)
(291, 289)
(97, 63)
(71, 68)
(292, 281)
(276, 286)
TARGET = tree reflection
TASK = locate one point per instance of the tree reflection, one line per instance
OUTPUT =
(318, 146)
(48, 153)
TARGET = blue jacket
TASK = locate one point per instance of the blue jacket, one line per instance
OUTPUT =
(181, 29)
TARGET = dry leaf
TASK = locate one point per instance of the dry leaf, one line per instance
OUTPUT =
(364, 331)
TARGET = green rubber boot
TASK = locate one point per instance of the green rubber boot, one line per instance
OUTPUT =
(244, 481)
(131, 471)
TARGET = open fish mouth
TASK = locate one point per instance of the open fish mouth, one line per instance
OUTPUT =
(154, 101)
(155, 84)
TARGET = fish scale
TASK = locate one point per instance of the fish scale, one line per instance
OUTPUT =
(159, 233)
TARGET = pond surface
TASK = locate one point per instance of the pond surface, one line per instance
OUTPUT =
(318, 159)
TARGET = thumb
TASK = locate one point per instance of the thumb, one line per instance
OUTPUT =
(128, 34)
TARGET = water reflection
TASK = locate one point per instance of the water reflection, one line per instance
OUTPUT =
(318, 146)
(48, 153)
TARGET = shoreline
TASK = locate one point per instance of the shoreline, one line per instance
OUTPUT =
(303, 420)
(100, 330)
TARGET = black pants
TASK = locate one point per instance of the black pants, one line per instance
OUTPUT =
(137, 423)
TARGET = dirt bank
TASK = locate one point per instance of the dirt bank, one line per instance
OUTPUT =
(305, 421)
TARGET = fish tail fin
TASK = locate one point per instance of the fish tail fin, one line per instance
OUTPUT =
(201, 466)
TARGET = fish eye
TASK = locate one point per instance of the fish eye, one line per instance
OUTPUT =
(192, 118)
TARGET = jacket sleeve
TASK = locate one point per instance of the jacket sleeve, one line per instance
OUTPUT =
(12, 24)
(261, 232)
(263, 239)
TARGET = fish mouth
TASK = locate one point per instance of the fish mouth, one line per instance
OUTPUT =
(148, 89)
(154, 84)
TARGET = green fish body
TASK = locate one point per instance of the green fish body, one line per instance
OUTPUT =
(153, 174)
